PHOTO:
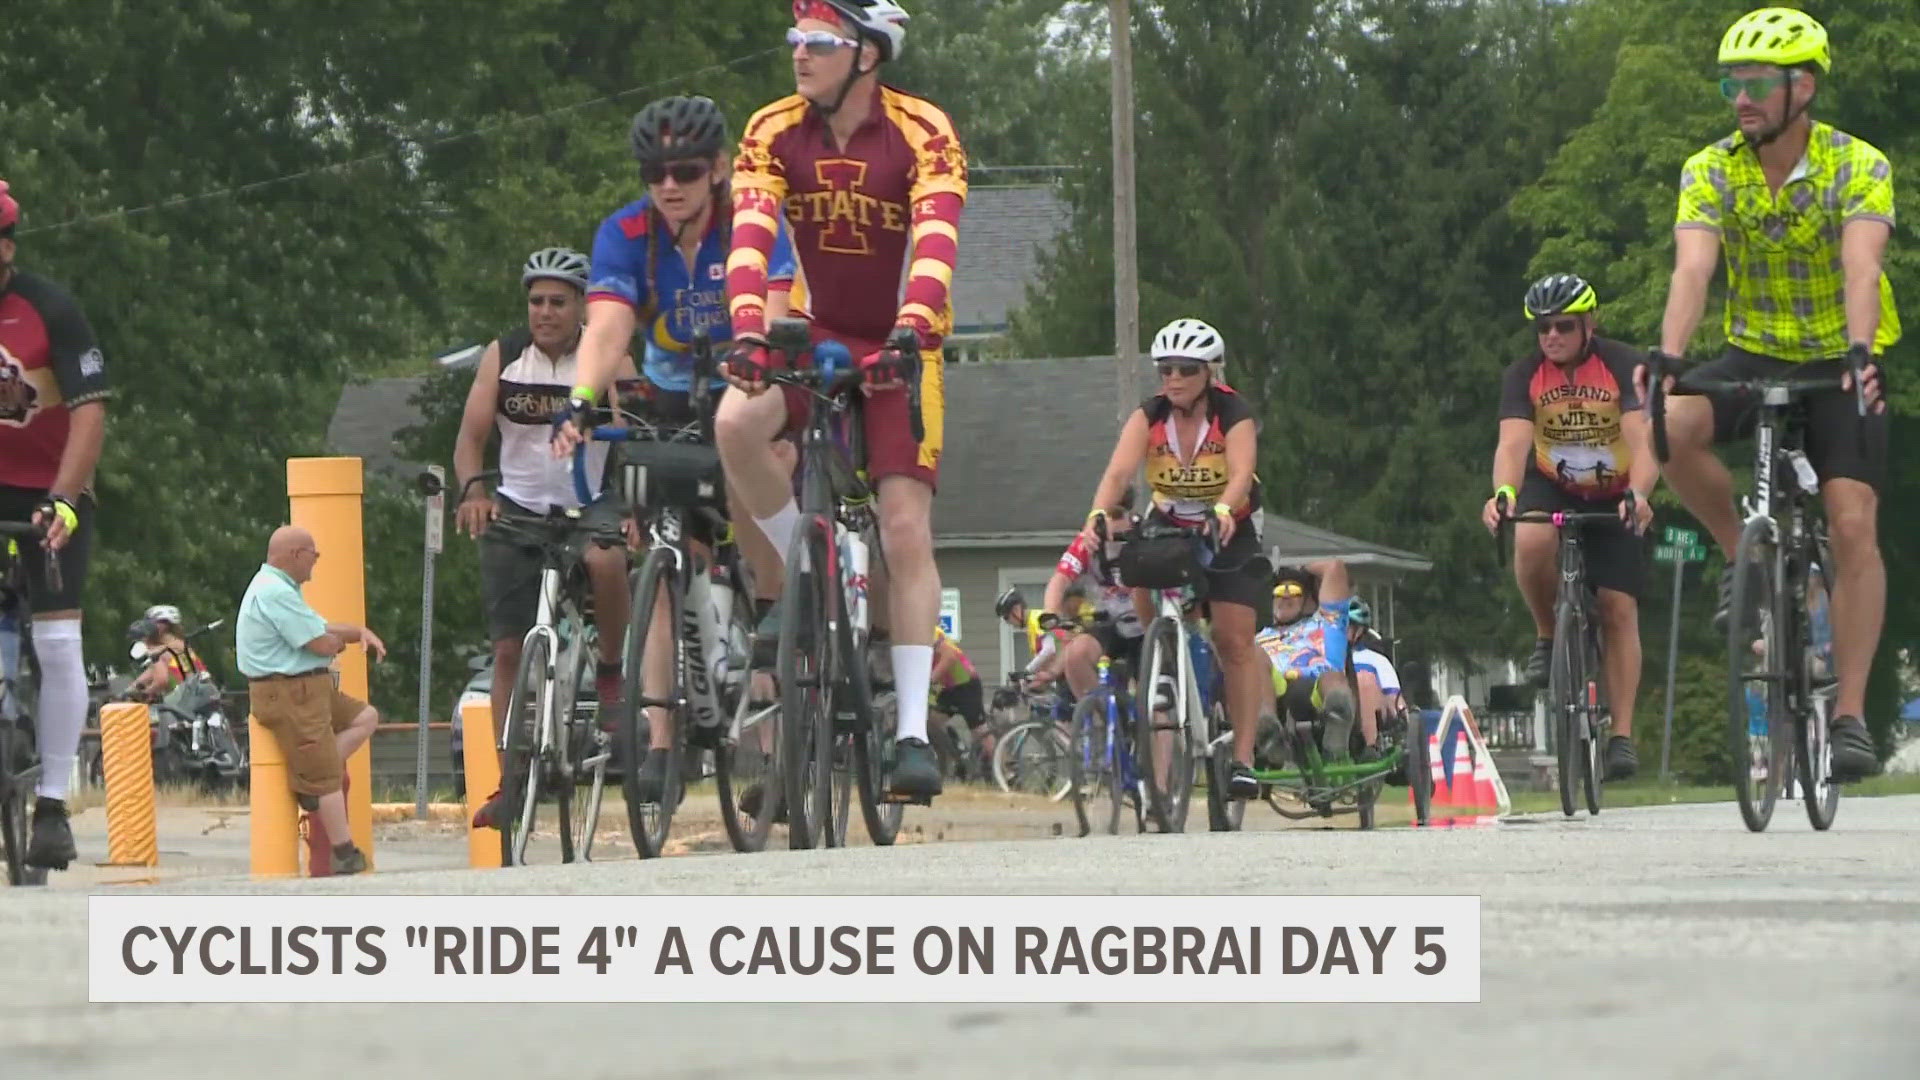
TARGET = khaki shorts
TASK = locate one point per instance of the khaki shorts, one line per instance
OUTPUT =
(304, 713)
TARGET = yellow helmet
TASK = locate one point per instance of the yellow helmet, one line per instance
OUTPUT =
(1779, 36)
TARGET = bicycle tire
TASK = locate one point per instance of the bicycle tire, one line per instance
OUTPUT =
(748, 753)
(1053, 746)
(1813, 742)
(520, 779)
(16, 759)
(1567, 684)
(1756, 558)
(1224, 813)
(1419, 765)
(805, 663)
(1595, 766)
(587, 755)
(1088, 762)
(651, 823)
(870, 761)
(1166, 808)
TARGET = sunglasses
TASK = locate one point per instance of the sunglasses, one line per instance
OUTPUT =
(1564, 326)
(1187, 369)
(818, 42)
(1757, 87)
(683, 172)
(1289, 588)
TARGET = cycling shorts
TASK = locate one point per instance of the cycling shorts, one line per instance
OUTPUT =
(1833, 447)
(891, 449)
(17, 504)
(1616, 558)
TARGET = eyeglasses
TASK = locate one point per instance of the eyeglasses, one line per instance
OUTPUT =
(818, 42)
(548, 300)
(1187, 369)
(683, 172)
(1757, 87)
(1288, 588)
(1564, 326)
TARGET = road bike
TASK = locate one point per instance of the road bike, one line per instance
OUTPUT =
(1101, 756)
(19, 693)
(1031, 755)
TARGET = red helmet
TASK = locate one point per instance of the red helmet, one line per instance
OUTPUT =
(9, 210)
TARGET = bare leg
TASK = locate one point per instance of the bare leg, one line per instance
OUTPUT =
(1620, 629)
(1859, 589)
(1698, 476)
(1536, 570)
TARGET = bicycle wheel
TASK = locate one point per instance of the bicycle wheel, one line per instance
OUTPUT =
(746, 776)
(1596, 701)
(1567, 692)
(522, 767)
(1087, 760)
(1224, 813)
(651, 822)
(1419, 765)
(1032, 757)
(1161, 737)
(16, 805)
(1759, 735)
(806, 668)
(1814, 712)
(872, 764)
(588, 751)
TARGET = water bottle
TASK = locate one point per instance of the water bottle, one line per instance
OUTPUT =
(717, 635)
(1756, 711)
(1202, 667)
(1819, 618)
(853, 551)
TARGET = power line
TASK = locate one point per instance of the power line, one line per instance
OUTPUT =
(430, 144)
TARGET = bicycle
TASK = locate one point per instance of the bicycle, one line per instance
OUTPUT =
(822, 659)
(1101, 752)
(672, 480)
(19, 757)
(1579, 711)
(1777, 664)
(549, 740)
(1029, 755)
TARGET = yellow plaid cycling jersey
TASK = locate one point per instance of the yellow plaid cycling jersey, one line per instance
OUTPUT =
(1786, 292)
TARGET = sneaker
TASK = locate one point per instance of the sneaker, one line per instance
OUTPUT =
(1540, 664)
(1853, 758)
(916, 771)
(1622, 760)
(653, 776)
(489, 814)
(52, 845)
(1241, 783)
(348, 859)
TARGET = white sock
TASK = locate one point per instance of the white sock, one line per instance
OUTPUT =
(62, 711)
(779, 528)
(912, 671)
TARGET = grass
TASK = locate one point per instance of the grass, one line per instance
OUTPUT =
(1655, 793)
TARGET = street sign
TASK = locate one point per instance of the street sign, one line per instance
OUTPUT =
(1673, 553)
(1681, 537)
(437, 510)
(950, 613)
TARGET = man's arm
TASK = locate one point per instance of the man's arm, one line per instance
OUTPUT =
(1863, 246)
(1510, 455)
(1696, 250)
(1056, 595)
(1644, 473)
(80, 372)
(609, 331)
(759, 189)
(476, 420)
(939, 192)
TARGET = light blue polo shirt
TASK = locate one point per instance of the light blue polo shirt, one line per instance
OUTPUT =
(275, 622)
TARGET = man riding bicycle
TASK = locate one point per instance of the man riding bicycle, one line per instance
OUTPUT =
(1115, 631)
(1196, 439)
(659, 265)
(871, 180)
(1573, 438)
(1804, 212)
(521, 385)
(53, 422)
(1307, 648)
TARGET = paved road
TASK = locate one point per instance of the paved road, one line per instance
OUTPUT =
(1664, 942)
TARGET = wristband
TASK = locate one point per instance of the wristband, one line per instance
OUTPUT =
(65, 511)
(1223, 508)
(584, 393)
(1507, 490)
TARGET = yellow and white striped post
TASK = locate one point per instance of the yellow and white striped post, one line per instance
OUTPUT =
(126, 766)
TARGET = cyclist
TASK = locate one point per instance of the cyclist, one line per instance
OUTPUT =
(53, 419)
(1572, 436)
(170, 657)
(659, 265)
(520, 386)
(1376, 683)
(1043, 642)
(1196, 439)
(1307, 647)
(872, 181)
(1804, 212)
(1114, 629)
(960, 692)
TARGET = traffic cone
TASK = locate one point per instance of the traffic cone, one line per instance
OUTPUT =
(1438, 802)
(1460, 792)
(1486, 799)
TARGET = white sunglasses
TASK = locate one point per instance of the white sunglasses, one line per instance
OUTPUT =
(818, 42)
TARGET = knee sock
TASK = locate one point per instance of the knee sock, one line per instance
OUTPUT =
(62, 709)
(912, 672)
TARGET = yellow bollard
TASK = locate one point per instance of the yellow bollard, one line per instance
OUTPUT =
(274, 825)
(126, 765)
(323, 495)
(482, 760)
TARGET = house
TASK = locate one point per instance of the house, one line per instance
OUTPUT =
(1003, 232)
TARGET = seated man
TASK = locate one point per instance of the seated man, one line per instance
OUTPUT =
(1308, 647)
(1376, 683)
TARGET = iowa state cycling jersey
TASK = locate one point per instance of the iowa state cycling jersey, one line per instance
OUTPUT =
(1186, 480)
(49, 363)
(902, 177)
(1576, 411)
(636, 262)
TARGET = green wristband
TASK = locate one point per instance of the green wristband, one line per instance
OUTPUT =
(1507, 490)
(584, 393)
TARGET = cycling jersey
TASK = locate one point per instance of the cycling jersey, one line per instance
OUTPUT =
(1576, 410)
(1115, 601)
(49, 363)
(533, 387)
(900, 181)
(1382, 668)
(636, 262)
(1187, 480)
(1786, 289)
(962, 671)
(1310, 646)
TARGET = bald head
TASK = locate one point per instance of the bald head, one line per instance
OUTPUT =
(291, 549)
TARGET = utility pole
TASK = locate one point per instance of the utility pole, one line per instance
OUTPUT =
(1126, 267)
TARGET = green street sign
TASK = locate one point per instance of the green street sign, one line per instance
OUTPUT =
(1681, 537)
(1696, 554)
(1678, 553)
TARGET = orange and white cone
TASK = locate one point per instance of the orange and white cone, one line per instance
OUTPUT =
(1437, 801)
(1461, 793)
(1485, 797)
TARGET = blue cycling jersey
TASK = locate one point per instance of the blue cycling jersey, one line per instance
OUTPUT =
(635, 261)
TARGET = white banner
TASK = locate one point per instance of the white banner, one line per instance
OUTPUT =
(784, 948)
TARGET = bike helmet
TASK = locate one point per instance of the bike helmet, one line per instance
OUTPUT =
(164, 613)
(9, 209)
(1558, 294)
(1780, 36)
(141, 629)
(558, 264)
(1189, 339)
(1007, 602)
(879, 21)
(1358, 613)
(678, 127)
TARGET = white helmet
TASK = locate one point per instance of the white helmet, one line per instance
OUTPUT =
(164, 613)
(559, 264)
(1190, 339)
(883, 22)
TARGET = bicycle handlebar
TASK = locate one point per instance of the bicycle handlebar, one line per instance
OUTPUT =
(1559, 519)
(1691, 383)
(793, 338)
(26, 530)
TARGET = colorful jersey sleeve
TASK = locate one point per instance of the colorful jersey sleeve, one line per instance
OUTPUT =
(619, 259)
(1076, 560)
(939, 192)
(759, 189)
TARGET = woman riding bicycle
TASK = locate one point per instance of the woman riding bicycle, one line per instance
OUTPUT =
(1196, 438)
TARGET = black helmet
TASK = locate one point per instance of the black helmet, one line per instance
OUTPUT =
(1558, 294)
(678, 127)
(1007, 601)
